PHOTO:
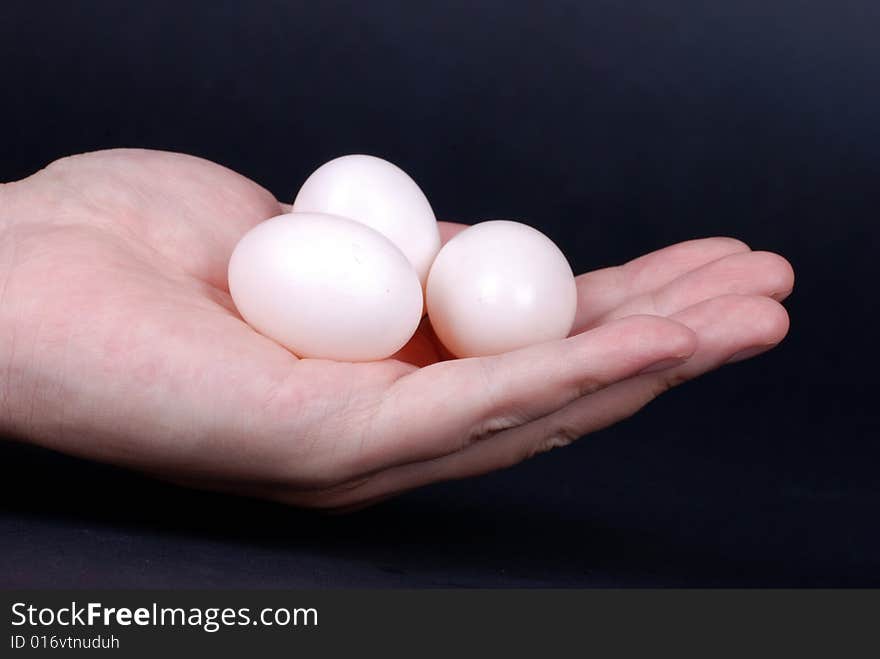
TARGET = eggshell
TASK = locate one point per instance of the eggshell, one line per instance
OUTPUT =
(499, 286)
(379, 194)
(325, 287)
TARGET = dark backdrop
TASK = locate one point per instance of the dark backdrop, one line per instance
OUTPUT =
(615, 127)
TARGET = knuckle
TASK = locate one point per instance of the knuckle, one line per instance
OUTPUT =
(500, 413)
(549, 443)
(62, 164)
(560, 436)
(492, 426)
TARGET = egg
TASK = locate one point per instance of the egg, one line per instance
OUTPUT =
(325, 287)
(499, 286)
(380, 195)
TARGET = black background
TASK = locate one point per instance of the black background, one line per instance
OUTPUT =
(616, 128)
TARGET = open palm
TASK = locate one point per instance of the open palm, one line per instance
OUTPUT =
(119, 342)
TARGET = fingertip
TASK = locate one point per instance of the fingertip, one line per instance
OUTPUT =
(738, 325)
(773, 328)
(778, 274)
(683, 341)
(777, 322)
(688, 342)
(767, 320)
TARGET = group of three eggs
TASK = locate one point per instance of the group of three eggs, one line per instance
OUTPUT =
(350, 272)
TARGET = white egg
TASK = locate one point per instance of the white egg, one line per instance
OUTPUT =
(382, 196)
(325, 287)
(499, 286)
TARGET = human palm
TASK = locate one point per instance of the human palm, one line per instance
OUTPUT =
(119, 342)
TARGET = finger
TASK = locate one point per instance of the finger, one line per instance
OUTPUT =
(441, 408)
(748, 273)
(726, 327)
(601, 291)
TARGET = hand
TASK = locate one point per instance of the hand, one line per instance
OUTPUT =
(119, 342)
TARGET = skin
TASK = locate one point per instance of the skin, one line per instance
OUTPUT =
(119, 342)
